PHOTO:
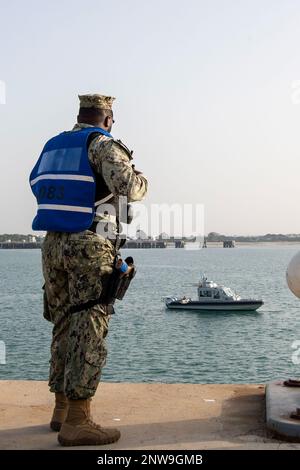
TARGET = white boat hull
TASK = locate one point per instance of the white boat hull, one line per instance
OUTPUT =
(230, 306)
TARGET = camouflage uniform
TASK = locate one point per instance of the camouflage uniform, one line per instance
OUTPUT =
(76, 266)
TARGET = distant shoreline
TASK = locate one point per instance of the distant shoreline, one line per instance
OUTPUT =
(34, 246)
(258, 243)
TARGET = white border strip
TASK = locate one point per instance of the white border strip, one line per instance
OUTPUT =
(2, 96)
(57, 207)
(62, 177)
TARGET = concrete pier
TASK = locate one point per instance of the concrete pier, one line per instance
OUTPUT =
(281, 402)
(150, 416)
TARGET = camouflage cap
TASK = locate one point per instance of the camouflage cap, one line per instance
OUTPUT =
(96, 101)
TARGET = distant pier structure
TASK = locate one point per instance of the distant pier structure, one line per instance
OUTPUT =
(145, 244)
(19, 245)
(228, 243)
(158, 242)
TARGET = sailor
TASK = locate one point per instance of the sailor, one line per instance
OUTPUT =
(76, 170)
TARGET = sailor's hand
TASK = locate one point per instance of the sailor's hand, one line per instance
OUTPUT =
(130, 269)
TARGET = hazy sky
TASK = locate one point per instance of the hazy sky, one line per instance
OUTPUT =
(204, 93)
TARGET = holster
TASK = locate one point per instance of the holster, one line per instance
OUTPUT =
(117, 286)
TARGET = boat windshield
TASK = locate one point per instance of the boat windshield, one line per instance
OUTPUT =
(205, 293)
(228, 292)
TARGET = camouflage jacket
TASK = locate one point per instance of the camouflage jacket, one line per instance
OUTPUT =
(110, 159)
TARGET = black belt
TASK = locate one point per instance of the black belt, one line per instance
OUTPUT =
(91, 303)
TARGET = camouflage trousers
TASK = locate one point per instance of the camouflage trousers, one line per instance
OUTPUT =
(76, 266)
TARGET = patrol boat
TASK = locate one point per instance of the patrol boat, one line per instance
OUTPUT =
(212, 296)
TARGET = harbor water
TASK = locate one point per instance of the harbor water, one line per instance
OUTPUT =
(148, 343)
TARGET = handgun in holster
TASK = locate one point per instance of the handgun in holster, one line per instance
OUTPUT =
(118, 283)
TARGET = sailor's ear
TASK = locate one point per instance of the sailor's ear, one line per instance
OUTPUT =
(106, 121)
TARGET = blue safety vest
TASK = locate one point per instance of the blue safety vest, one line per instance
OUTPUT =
(64, 184)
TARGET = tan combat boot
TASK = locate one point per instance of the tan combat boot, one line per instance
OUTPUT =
(59, 412)
(79, 429)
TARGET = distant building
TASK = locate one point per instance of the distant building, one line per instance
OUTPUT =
(141, 235)
(163, 236)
